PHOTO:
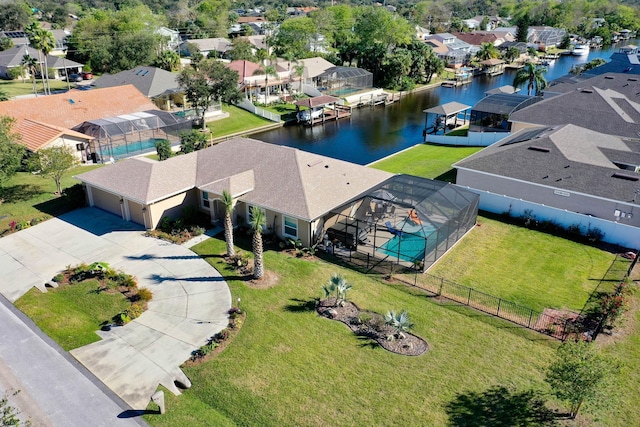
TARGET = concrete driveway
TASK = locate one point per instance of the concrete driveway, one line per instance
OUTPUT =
(190, 298)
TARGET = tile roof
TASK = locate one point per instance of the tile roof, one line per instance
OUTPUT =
(566, 157)
(243, 68)
(287, 180)
(72, 108)
(218, 44)
(477, 38)
(151, 81)
(609, 104)
(36, 135)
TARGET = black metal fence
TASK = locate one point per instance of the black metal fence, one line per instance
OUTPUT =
(553, 323)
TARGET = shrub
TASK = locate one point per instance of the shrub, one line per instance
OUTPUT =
(196, 230)
(145, 294)
(221, 336)
(135, 310)
(22, 225)
(74, 196)
(58, 278)
(165, 224)
(121, 319)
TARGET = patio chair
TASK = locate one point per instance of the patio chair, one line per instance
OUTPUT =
(393, 230)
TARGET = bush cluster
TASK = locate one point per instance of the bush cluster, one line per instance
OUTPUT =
(575, 232)
(179, 230)
(219, 338)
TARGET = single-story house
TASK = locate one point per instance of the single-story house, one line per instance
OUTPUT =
(568, 168)
(54, 119)
(159, 85)
(295, 188)
(365, 213)
(216, 46)
(13, 58)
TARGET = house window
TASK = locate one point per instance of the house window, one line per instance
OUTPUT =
(205, 200)
(290, 227)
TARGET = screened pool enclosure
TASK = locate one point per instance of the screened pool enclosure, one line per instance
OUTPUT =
(343, 81)
(129, 134)
(407, 221)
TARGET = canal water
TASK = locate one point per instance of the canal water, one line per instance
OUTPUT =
(373, 133)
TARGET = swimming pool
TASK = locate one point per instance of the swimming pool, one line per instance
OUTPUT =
(130, 148)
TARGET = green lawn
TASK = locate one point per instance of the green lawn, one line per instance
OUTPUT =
(286, 111)
(288, 366)
(17, 87)
(239, 120)
(428, 161)
(551, 271)
(71, 314)
(28, 196)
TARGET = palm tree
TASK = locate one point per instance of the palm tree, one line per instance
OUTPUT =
(227, 201)
(339, 285)
(298, 71)
(533, 75)
(487, 51)
(30, 63)
(399, 321)
(258, 221)
(42, 40)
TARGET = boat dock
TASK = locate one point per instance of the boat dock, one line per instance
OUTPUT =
(338, 112)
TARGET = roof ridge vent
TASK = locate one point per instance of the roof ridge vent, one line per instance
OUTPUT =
(538, 148)
(586, 90)
(609, 77)
(632, 80)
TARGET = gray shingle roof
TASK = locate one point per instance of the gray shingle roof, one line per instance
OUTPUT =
(566, 157)
(287, 180)
(151, 81)
(609, 104)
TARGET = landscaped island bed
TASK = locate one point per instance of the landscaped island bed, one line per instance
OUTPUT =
(290, 366)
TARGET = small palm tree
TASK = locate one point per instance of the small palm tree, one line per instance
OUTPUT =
(258, 221)
(227, 201)
(30, 63)
(399, 321)
(339, 285)
(533, 75)
(298, 71)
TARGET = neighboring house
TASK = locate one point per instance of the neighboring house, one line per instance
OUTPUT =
(476, 38)
(546, 36)
(159, 85)
(566, 173)
(12, 58)
(421, 32)
(19, 38)
(254, 83)
(170, 39)
(258, 24)
(605, 103)
(453, 51)
(259, 42)
(295, 188)
(313, 67)
(54, 119)
(216, 46)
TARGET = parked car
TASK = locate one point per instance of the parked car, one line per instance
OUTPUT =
(74, 78)
(86, 75)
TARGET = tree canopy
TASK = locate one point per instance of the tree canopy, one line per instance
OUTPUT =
(11, 152)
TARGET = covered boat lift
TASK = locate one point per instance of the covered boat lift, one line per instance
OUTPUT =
(329, 108)
(445, 115)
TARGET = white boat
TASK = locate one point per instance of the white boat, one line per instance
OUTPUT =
(580, 50)
(309, 115)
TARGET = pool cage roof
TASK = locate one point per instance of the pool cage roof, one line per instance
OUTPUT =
(502, 103)
(126, 124)
(406, 220)
(355, 76)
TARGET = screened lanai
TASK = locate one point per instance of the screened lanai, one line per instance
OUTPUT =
(129, 134)
(344, 81)
(491, 113)
(408, 221)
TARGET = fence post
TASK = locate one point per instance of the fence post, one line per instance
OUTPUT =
(469, 298)
(530, 316)
(441, 285)
(498, 311)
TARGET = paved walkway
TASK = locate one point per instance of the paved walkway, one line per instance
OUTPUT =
(190, 298)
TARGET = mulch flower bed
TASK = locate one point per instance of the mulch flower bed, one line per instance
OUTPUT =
(370, 324)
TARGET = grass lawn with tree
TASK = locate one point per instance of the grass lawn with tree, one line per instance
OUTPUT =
(289, 366)
(29, 196)
(17, 87)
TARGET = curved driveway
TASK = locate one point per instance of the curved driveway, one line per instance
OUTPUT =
(190, 298)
